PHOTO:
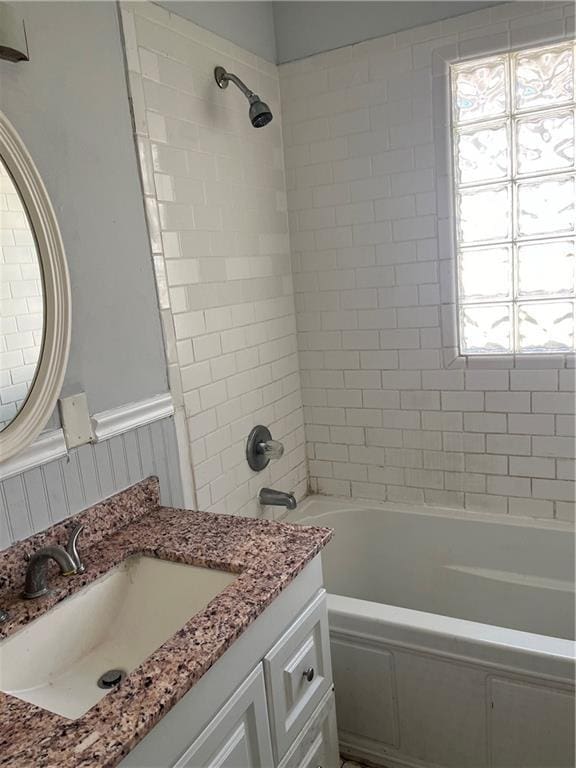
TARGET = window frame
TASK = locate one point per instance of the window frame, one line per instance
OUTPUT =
(513, 179)
(442, 60)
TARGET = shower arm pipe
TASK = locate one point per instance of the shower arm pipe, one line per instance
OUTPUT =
(230, 76)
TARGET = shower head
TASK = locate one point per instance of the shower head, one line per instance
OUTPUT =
(260, 113)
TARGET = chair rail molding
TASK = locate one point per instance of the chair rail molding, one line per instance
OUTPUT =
(47, 447)
(107, 424)
(52, 445)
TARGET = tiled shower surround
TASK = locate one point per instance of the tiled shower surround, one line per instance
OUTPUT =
(216, 203)
(390, 413)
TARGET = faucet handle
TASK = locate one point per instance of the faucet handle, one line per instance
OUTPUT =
(260, 448)
(72, 548)
(271, 449)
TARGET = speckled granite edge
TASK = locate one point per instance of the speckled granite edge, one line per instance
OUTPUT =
(100, 520)
(267, 555)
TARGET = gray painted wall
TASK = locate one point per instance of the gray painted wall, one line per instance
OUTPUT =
(248, 24)
(306, 28)
(70, 106)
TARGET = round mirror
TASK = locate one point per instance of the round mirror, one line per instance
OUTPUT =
(21, 302)
(34, 299)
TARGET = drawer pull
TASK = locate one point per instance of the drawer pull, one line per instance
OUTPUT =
(309, 674)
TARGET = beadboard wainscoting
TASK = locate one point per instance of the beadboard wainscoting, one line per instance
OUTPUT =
(41, 496)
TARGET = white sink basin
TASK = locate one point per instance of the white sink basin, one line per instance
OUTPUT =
(114, 623)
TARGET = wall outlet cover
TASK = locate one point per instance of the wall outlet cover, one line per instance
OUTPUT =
(76, 421)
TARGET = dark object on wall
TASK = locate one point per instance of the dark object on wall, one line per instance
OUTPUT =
(13, 43)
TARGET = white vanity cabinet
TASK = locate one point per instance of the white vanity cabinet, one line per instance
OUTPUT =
(298, 674)
(317, 745)
(268, 702)
(239, 736)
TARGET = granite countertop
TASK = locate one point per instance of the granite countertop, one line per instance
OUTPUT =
(267, 556)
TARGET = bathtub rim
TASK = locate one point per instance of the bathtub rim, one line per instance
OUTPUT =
(546, 657)
(349, 504)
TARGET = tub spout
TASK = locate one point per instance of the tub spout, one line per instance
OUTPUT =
(272, 498)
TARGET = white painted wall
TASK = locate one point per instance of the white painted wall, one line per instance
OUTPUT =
(387, 415)
(216, 202)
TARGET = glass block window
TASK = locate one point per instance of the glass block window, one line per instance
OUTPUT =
(514, 119)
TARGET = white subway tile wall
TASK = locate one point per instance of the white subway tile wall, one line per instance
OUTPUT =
(217, 214)
(21, 305)
(390, 412)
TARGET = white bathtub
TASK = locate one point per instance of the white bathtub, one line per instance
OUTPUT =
(451, 635)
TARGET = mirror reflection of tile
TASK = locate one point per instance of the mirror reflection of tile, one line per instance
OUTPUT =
(21, 302)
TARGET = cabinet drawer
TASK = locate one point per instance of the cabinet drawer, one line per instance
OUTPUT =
(317, 745)
(298, 674)
(238, 737)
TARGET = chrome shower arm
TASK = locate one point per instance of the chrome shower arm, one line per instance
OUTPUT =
(243, 87)
(223, 78)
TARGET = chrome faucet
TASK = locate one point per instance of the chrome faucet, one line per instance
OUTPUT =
(68, 560)
(72, 548)
(272, 498)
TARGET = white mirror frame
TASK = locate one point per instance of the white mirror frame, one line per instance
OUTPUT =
(45, 389)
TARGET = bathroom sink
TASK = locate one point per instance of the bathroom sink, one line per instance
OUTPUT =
(109, 626)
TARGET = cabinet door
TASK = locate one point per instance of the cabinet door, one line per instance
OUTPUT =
(298, 674)
(239, 735)
(317, 745)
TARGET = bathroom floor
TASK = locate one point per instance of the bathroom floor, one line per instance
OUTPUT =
(352, 764)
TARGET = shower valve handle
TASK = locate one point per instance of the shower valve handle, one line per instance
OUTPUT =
(272, 449)
(261, 449)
